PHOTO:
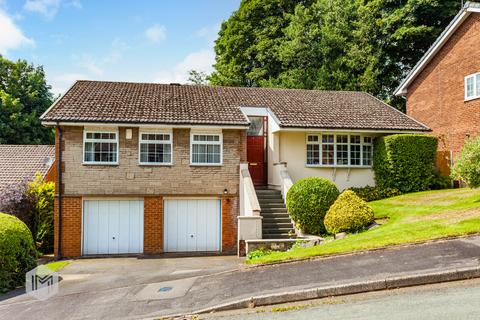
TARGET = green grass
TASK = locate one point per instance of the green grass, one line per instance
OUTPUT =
(413, 217)
(57, 265)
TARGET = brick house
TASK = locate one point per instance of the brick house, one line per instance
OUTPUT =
(155, 168)
(443, 89)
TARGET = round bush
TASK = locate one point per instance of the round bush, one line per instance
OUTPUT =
(467, 164)
(349, 213)
(17, 252)
(308, 201)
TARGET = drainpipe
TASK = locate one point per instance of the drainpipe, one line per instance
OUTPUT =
(59, 192)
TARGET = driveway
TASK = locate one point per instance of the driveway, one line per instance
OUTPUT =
(115, 287)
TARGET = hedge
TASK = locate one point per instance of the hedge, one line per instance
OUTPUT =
(349, 213)
(17, 252)
(308, 201)
(369, 193)
(405, 162)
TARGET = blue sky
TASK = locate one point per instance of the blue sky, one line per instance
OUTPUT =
(150, 41)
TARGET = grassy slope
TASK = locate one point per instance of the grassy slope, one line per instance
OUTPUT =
(411, 218)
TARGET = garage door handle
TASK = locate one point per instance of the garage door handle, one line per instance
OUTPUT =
(191, 236)
(113, 238)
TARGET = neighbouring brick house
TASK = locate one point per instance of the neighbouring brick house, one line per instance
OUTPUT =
(154, 168)
(443, 89)
(20, 163)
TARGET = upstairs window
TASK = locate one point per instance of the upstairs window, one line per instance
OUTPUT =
(155, 148)
(100, 147)
(339, 150)
(206, 149)
(472, 86)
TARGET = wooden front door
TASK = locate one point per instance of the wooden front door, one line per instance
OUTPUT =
(256, 141)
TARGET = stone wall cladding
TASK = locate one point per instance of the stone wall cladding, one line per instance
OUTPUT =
(71, 245)
(130, 178)
(436, 97)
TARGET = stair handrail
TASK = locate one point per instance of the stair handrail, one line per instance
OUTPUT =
(285, 179)
(248, 196)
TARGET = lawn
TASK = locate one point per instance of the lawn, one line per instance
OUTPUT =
(409, 218)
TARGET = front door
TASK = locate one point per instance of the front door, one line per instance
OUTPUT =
(256, 141)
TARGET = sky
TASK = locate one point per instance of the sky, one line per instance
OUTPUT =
(115, 40)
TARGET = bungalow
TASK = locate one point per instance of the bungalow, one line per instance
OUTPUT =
(156, 168)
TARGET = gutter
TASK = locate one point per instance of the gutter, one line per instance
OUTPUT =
(59, 192)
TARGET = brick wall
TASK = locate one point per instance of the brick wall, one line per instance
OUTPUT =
(71, 226)
(153, 225)
(229, 224)
(436, 97)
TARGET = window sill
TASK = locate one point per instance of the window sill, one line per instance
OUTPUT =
(206, 164)
(143, 164)
(337, 167)
(472, 98)
(100, 163)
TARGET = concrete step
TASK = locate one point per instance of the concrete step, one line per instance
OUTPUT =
(278, 230)
(275, 215)
(269, 196)
(272, 201)
(276, 219)
(272, 225)
(278, 236)
(268, 192)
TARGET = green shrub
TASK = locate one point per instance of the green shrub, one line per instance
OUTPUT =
(467, 164)
(440, 182)
(258, 253)
(369, 193)
(405, 162)
(349, 213)
(17, 252)
(308, 201)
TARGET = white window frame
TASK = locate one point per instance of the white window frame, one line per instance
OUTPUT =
(335, 165)
(170, 142)
(85, 140)
(219, 142)
(476, 86)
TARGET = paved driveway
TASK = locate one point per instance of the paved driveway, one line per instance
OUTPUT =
(110, 288)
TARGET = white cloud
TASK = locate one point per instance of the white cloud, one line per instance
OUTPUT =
(201, 61)
(156, 33)
(75, 3)
(47, 8)
(90, 64)
(11, 36)
(209, 33)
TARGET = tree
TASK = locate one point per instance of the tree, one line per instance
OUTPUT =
(467, 164)
(197, 77)
(24, 96)
(367, 45)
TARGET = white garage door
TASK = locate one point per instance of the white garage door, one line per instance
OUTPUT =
(192, 225)
(112, 226)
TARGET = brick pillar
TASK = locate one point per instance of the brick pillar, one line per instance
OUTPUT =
(230, 213)
(153, 225)
(71, 236)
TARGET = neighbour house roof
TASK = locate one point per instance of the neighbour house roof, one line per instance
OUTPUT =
(468, 8)
(147, 103)
(19, 163)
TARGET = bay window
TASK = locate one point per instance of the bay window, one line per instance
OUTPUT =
(339, 150)
(100, 147)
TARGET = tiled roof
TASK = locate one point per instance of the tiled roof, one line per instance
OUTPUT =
(19, 163)
(120, 102)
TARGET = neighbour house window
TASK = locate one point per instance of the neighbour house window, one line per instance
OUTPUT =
(100, 147)
(342, 150)
(206, 149)
(155, 148)
(472, 86)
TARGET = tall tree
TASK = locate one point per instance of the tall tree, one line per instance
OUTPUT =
(366, 45)
(24, 96)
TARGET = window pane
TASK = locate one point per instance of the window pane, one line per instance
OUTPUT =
(312, 138)
(469, 91)
(327, 138)
(354, 139)
(256, 126)
(342, 154)
(342, 139)
(367, 155)
(313, 154)
(367, 139)
(355, 155)
(327, 154)
(478, 85)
